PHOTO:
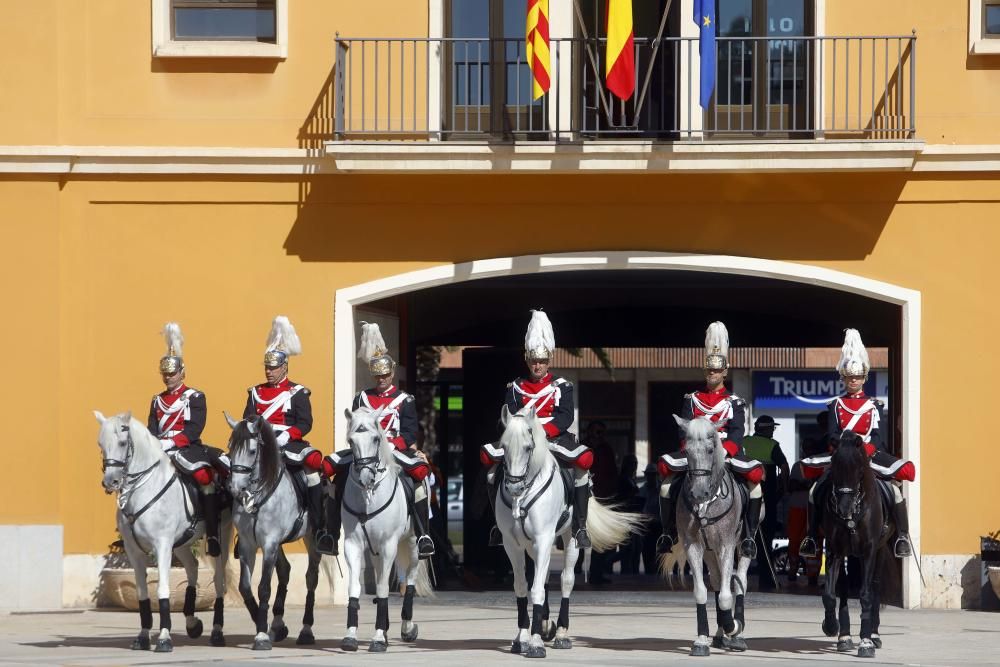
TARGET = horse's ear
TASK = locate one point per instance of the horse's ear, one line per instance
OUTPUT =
(532, 413)
(505, 415)
(100, 416)
(229, 420)
(378, 414)
(127, 417)
(683, 423)
(252, 426)
(348, 413)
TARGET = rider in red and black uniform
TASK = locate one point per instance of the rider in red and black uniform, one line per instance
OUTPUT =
(287, 407)
(177, 418)
(854, 411)
(552, 398)
(728, 412)
(399, 422)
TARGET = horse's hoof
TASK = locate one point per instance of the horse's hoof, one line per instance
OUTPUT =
(217, 638)
(845, 645)
(410, 636)
(700, 650)
(377, 647)
(562, 642)
(195, 629)
(306, 638)
(831, 627)
(164, 645)
(535, 652)
(866, 650)
(262, 644)
(548, 631)
(877, 641)
(279, 633)
(141, 643)
(718, 642)
(348, 644)
(516, 647)
(735, 644)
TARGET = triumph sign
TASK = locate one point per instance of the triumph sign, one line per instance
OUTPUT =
(799, 390)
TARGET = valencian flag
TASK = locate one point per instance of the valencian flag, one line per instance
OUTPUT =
(536, 46)
(704, 17)
(619, 62)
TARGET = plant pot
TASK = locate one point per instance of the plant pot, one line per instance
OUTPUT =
(117, 588)
(993, 574)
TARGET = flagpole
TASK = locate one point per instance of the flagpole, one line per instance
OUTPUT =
(652, 60)
(593, 62)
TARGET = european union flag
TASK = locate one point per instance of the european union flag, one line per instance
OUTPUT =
(704, 17)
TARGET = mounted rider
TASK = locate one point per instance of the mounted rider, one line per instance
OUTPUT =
(399, 422)
(854, 411)
(729, 414)
(287, 407)
(177, 418)
(552, 398)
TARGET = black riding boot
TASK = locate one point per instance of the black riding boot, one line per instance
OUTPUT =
(581, 502)
(210, 511)
(333, 502)
(902, 548)
(421, 519)
(317, 518)
(496, 537)
(668, 517)
(748, 547)
(809, 546)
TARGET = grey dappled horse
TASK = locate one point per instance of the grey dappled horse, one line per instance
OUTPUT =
(709, 521)
(156, 515)
(268, 513)
(531, 516)
(376, 518)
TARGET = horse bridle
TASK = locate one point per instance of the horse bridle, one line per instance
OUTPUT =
(518, 479)
(852, 518)
(250, 498)
(371, 463)
(721, 492)
(131, 481)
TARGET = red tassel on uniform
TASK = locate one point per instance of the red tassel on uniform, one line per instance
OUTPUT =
(907, 472)
(203, 476)
(313, 461)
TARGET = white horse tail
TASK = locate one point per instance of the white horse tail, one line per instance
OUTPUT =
(422, 586)
(608, 527)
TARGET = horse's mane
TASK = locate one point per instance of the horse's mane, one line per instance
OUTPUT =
(270, 460)
(141, 437)
(849, 455)
(386, 449)
(700, 430)
(524, 426)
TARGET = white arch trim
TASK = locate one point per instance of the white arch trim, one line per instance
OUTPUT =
(348, 298)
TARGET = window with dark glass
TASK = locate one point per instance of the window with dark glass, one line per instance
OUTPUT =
(991, 18)
(236, 20)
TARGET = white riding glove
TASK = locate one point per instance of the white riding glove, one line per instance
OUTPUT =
(283, 438)
(167, 444)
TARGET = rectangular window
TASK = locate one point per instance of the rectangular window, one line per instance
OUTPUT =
(224, 20)
(991, 18)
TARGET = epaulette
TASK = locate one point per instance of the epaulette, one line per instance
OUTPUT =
(409, 398)
(562, 381)
(510, 385)
(689, 396)
(733, 398)
(878, 402)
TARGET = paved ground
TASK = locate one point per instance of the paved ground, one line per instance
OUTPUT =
(648, 628)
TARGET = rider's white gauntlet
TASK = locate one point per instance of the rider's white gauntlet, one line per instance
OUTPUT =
(166, 443)
(283, 438)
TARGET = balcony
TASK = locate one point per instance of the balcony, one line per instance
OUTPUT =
(470, 99)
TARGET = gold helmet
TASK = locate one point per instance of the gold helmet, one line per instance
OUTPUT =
(373, 350)
(172, 361)
(282, 343)
(539, 340)
(853, 356)
(716, 346)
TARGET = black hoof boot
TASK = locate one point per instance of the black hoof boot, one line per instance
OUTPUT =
(141, 643)
(496, 537)
(262, 644)
(866, 651)
(410, 636)
(217, 638)
(877, 641)
(845, 645)
(306, 637)
(718, 642)
(700, 650)
(349, 644)
(831, 627)
(279, 633)
(164, 645)
(534, 652)
(378, 647)
(516, 647)
(562, 643)
(737, 644)
(195, 629)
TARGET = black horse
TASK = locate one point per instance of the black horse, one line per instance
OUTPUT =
(856, 523)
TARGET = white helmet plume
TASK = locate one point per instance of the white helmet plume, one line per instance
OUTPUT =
(174, 339)
(539, 340)
(853, 355)
(717, 346)
(372, 343)
(283, 337)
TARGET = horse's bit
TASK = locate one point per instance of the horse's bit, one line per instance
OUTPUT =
(130, 481)
(250, 494)
(852, 518)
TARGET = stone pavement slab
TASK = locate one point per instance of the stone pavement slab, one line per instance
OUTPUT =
(621, 628)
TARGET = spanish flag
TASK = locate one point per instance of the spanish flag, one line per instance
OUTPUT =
(537, 46)
(619, 62)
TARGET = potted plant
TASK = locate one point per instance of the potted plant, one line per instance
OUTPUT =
(989, 554)
(117, 583)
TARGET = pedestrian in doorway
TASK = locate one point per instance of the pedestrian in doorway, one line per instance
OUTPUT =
(763, 447)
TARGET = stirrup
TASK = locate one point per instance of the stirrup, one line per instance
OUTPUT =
(496, 537)
(808, 547)
(748, 547)
(665, 544)
(325, 543)
(425, 546)
(582, 539)
(212, 546)
(903, 548)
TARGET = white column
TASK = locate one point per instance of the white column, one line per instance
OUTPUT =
(435, 30)
(561, 25)
(642, 453)
(690, 114)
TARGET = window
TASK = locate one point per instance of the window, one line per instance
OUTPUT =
(984, 27)
(220, 28)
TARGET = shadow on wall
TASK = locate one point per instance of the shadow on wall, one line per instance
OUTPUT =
(460, 217)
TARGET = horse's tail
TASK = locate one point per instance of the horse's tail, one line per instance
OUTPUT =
(404, 560)
(676, 557)
(608, 526)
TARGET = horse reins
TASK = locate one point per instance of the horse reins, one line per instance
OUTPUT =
(722, 492)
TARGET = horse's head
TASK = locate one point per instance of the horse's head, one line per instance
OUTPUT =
(371, 450)
(848, 466)
(254, 456)
(525, 448)
(706, 457)
(117, 448)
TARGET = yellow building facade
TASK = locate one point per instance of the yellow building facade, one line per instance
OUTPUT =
(218, 190)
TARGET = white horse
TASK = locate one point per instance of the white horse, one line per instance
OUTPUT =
(539, 512)
(268, 513)
(709, 518)
(156, 515)
(376, 518)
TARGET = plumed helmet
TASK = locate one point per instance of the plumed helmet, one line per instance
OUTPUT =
(539, 340)
(853, 356)
(717, 346)
(282, 342)
(172, 361)
(373, 350)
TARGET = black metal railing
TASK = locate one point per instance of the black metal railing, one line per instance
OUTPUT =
(854, 87)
